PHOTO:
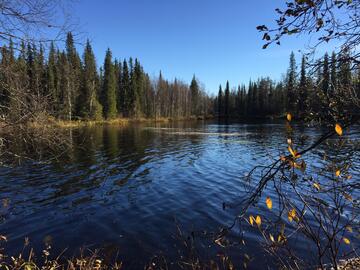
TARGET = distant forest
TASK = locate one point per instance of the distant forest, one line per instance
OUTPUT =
(69, 87)
(300, 93)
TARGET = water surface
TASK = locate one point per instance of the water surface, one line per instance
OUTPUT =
(125, 189)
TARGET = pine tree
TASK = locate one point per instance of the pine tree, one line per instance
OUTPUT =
(220, 102)
(109, 88)
(194, 93)
(87, 103)
(345, 78)
(227, 100)
(291, 86)
(75, 66)
(125, 89)
(326, 75)
(65, 91)
(333, 75)
(303, 87)
(138, 88)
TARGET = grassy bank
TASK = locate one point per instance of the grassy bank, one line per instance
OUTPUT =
(117, 121)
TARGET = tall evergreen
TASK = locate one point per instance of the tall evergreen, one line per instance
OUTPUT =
(194, 92)
(303, 86)
(138, 89)
(125, 89)
(74, 61)
(345, 78)
(326, 75)
(220, 102)
(108, 97)
(291, 94)
(333, 74)
(227, 100)
(88, 106)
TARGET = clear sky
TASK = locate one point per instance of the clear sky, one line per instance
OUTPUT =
(216, 40)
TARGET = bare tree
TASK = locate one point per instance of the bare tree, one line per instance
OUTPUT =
(33, 20)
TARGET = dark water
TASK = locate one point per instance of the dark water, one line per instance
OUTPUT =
(125, 189)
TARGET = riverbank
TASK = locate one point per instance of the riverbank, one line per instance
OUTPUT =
(53, 122)
(124, 121)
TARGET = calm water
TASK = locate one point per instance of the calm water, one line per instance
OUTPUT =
(124, 189)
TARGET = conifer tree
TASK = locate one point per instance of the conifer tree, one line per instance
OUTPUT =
(220, 102)
(333, 75)
(194, 93)
(74, 61)
(227, 100)
(138, 86)
(125, 89)
(88, 104)
(109, 88)
(291, 85)
(303, 86)
(325, 75)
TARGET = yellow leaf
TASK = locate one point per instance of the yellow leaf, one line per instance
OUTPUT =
(346, 241)
(338, 129)
(251, 220)
(292, 152)
(289, 117)
(337, 173)
(291, 215)
(269, 203)
(317, 186)
(348, 196)
(272, 238)
(349, 229)
(258, 220)
(281, 238)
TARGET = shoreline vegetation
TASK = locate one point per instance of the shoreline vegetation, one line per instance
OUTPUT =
(124, 121)
(88, 259)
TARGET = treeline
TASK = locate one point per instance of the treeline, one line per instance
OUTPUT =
(66, 86)
(328, 85)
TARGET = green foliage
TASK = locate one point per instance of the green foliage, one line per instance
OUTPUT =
(194, 92)
(108, 96)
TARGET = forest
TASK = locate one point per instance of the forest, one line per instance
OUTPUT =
(308, 92)
(68, 87)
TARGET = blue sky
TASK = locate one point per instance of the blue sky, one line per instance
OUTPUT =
(215, 40)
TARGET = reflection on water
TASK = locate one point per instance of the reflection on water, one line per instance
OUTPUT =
(123, 188)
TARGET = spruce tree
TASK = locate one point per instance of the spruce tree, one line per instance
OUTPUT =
(74, 61)
(227, 100)
(220, 102)
(109, 88)
(138, 88)
(291, 95)
(194, 93)
(303, 87)
(333, 75)
(326, 75)
(125, 89)
(88, 104)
